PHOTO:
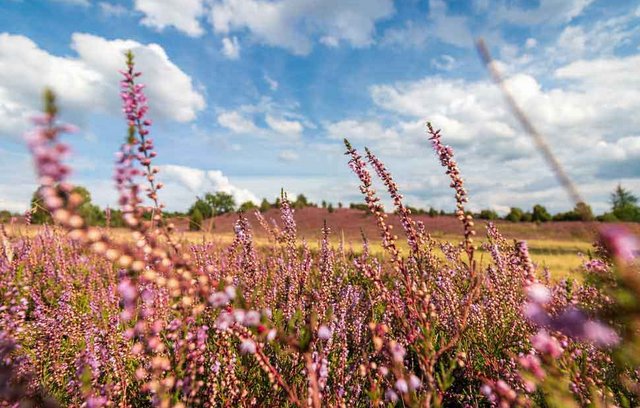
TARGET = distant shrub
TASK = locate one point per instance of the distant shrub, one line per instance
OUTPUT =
(488, 215)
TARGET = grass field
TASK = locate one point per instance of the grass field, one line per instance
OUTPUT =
(560, 247)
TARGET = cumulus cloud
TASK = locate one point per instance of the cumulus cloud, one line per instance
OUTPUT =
(231, 48)
(88, 81)
(547, 11)
(360, 131)
(112, 10)
(588, 116)
(288, 156)
(295, 24)
(182, 179)
(183, 15)
(237, 122)
(439, 24)
(283, 126)
(276, 120)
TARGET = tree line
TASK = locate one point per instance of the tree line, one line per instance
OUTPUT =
(624, 207)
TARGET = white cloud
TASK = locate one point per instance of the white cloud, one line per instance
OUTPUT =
(444, 62)
(439, 24)
(294, 24)
(412, 35)
(589, 118)
(198, 182)
(183, 15)
(231, 48)
(360, 131)
(88, 82)
(237, 122)
(82, 3)
(288, 156)
(450, 29)
(112, 10)
(279, 120)
(284, 126)
(273, 84)
(547, 11)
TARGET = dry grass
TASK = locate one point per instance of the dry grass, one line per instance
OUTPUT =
(561, 256)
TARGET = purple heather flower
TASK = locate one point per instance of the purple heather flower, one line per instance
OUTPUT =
(218, 299)
(324, 333)
(248, 346)
(621, 243)
(414, 382)
(390, 395)
(546, 344)
(402, 386)
(251, 318)
(539, 294)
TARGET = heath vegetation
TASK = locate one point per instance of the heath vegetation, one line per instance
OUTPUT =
(89, 321)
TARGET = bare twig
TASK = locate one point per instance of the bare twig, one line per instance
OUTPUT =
(540, 141)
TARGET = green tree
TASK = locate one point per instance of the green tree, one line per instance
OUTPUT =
(39, 214)
(621, 197)
(624, 205)
(247, 206)
(264, 205)
(203, 208)
(515, 215)
(195, 220)
(91, 213)
(5, 216)
(583, 211)
(540, 214)
(220, 202)
(488, 215)
(301, 201)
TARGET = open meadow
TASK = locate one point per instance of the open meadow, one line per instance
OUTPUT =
(179, 288)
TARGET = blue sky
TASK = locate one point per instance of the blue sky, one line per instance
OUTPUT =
(251, 96)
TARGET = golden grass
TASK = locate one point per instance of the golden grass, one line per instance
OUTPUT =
(561, 257)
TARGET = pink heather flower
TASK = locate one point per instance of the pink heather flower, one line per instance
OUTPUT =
(414, 382)
(402, 386)
(248, 346)
(596, 265)
(486, 390)
(538, 293)
(390, 395)
(218, 299)
(324, 333)
(239, 315)
(600, 334)
(224, 321)
(252, 318)
(536, 314)
(127, 290)
(621, 243)
(230, 291)
(397, 352)
(546, 344)
(271, 335)
(96, 402)
(532, 363)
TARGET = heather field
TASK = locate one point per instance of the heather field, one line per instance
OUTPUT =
(377, 307)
